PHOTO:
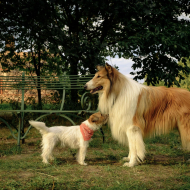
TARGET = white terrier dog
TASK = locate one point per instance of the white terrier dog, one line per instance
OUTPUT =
(75, 137)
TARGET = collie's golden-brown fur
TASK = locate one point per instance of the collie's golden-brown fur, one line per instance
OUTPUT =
(136, 110)
(161, 109)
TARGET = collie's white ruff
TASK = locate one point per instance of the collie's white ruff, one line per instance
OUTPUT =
(68, 136)
(136, 110)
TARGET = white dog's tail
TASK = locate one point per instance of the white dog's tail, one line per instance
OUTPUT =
(41, 126)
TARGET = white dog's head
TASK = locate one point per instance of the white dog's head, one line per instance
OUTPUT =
(96, 120)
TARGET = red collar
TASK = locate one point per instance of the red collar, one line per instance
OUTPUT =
(86, 132)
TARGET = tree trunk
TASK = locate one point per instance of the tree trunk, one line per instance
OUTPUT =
(39, 99)
(74, 71)
(37, 69)
(92, 68)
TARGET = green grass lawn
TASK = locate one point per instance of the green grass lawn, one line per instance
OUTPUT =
(165, 166)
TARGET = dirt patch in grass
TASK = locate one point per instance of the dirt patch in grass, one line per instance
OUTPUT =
(92, 169)
(25, 174)
(19, 157)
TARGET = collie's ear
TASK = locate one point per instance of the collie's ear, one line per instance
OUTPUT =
(98, 67)
(108, 68)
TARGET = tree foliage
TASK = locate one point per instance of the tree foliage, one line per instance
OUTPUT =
(185, 83)
(83, 32)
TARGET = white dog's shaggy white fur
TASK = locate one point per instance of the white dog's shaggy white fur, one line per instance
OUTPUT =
(68, 136)
(136, 110)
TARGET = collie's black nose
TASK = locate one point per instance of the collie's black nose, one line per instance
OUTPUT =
(85, 86)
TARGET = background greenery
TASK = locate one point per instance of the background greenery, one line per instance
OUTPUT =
(73, 36)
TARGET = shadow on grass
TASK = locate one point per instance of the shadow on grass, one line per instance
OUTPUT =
(151, 159)
(166, 160)
(110, 159)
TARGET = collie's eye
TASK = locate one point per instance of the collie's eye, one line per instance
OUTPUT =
(98, 76)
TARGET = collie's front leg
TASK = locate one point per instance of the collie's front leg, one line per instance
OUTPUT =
(127, 159)
(136, 146)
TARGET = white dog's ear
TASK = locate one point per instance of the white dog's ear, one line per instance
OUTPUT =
(108, 68)
(94, 119)
(99, 67)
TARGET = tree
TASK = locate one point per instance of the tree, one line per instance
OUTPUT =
(185, 83)
(84, 32)
(24, 41)
(37, 60)
(164, 43)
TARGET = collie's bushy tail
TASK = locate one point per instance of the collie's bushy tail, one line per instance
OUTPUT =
(41, 126)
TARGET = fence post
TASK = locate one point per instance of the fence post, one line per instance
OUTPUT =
(22, 107)
(21, 115)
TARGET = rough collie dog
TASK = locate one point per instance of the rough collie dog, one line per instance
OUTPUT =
(75, 137)
(136, 111)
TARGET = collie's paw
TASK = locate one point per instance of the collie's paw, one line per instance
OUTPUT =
(128, 164)
(83, 163)
(127, 159)
(45, 162)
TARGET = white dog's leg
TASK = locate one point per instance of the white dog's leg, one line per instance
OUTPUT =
(81, 155)
(48, 144)
(136, 146)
